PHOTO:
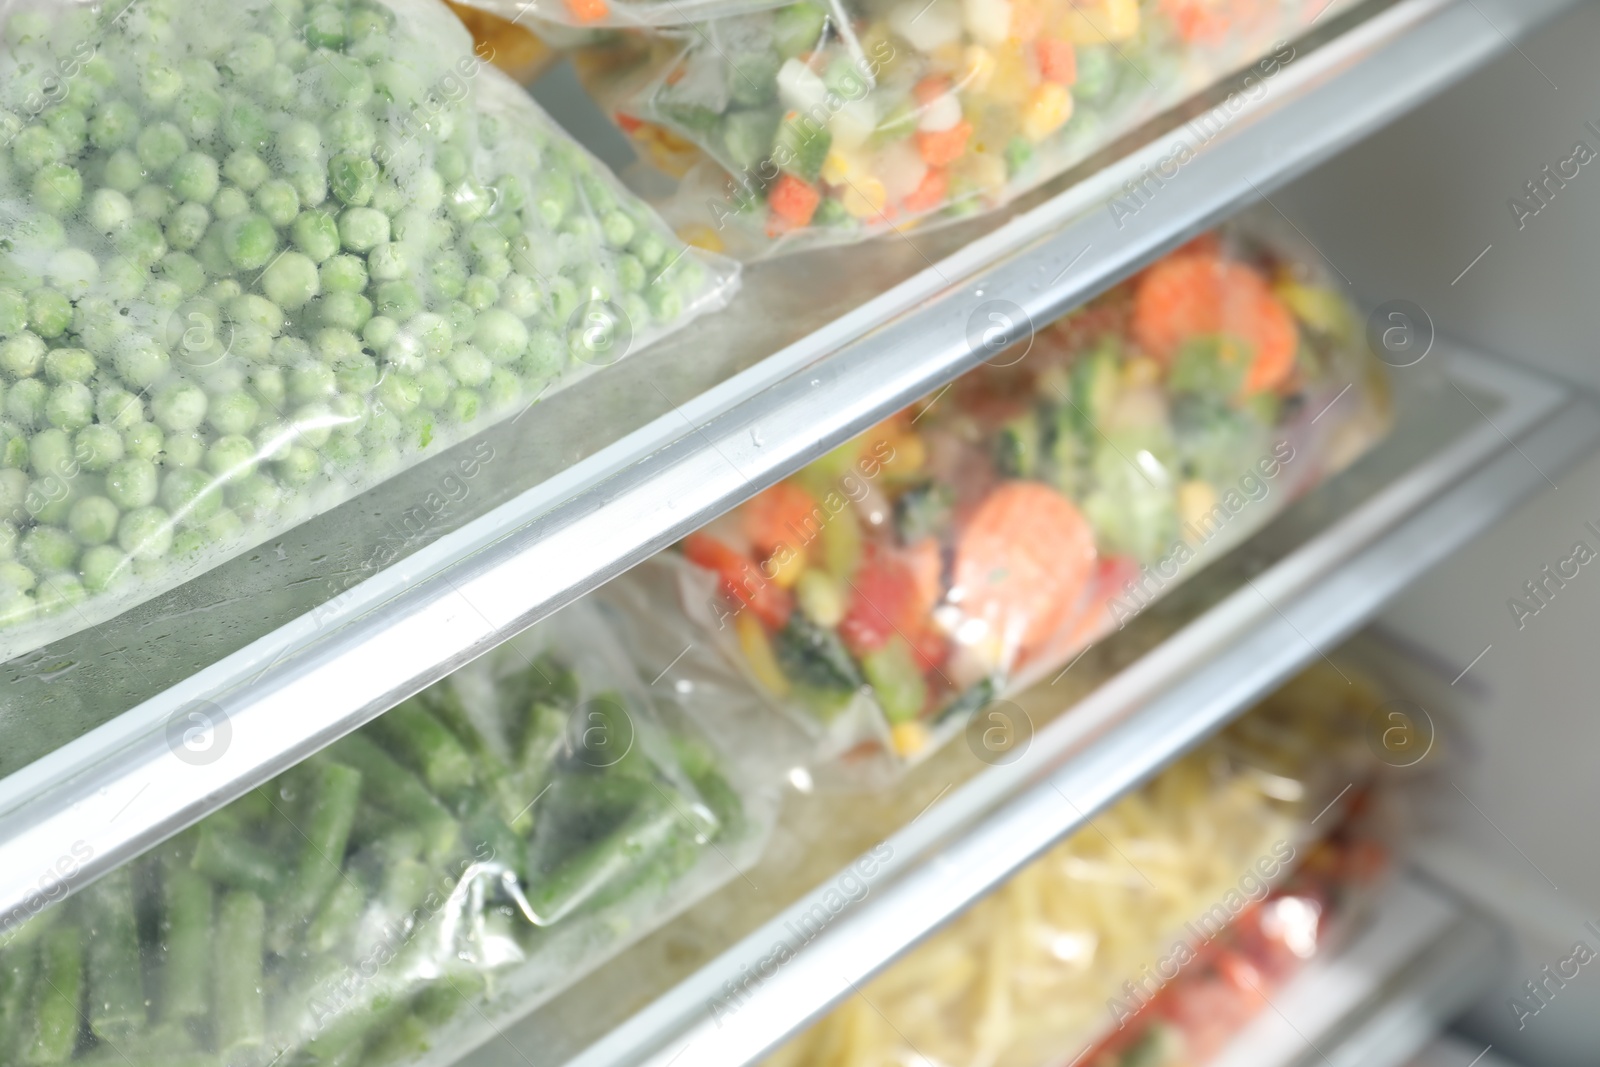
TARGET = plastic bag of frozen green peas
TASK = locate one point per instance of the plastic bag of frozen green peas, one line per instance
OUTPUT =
(257, 256)
(817, 124)
(415, 886)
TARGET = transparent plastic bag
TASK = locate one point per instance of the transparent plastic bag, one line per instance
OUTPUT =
(456, 862)
(815, 124)
(971, 545)
(509, 45)
(257, 256)
(1075, 945)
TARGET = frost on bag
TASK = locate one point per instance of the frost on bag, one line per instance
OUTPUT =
(970, 545)
(1131, 936)
(462, 858)
(257, 256)
(820, 124)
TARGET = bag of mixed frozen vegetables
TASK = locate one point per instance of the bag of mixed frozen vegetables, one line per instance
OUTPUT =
(972, 544)
(1123, 926)
(453, 863)
(821, 123)
(258, 255)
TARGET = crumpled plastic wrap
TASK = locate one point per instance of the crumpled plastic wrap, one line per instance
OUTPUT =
(257, 256)
(456, 862)
(1093, 938)
(979, 541)
(825, 123)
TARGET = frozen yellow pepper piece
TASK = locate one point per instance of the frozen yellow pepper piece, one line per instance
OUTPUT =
(1102, 21)
(787, 565)
(758, 654)
(864, 197)
(1047, 110)
(701, 236)
(839, 168)
(909, 738)
(1196, 498)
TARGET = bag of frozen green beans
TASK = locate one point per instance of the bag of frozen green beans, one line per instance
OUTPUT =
(257, 256)
(412, 887)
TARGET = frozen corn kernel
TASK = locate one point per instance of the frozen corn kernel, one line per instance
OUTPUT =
(1195, 500)
(785, 566)
(820, 598)
(1047, 110)
(864, 198)
(977, 69)
(909, 738)
(1105, 22)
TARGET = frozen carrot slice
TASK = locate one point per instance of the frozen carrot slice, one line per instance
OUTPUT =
(585, 11)
(791, 202)
(1022, 562)
(741, 579)
(783, 515)
(939, 148)
(931, 193)
(1058, 61)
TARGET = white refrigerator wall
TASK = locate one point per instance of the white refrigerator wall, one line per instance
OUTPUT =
(1437, 210)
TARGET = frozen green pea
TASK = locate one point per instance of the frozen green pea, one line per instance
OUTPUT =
(348, 311)
(233, 412)
(160, 145)
(198, 113)
(122, 279)
(103, 568)
(399, 393)
(93, 520)
(450, 163)
(189, 496)
(292, 280)
(8, 540)
(344, 273)
(35, 147)
(182, 448)
(258, 310)
(648, 248)
(434, 384)
(145, 533)
(617, 228)
(631, 274)
(97, 448)
(277, 200)
(249, 241)
(496, 268)
(352, 178)
(469, 365)
(500, 335)
(351, 130)
(16, 577)
(117, 408)
(297, 466)
(502, 389)
(27, 27)
(313, 424)
(358, 377)
(73, 271)
(209, 254)
(397, 299)
(123, 172)
(194, 176)
(223, 290)
(109, 209)
(463, 406)
(666, 304)
(344, 453)
(231, 456)
(316, 234)
(349, 412)
(141, 240)
(160, 85)
(57, 188)
(251, 54)
(48, 549)
(230, 203)
(388, 198)
(545, 357)
(448, 275)
(311, 381)
(57, 593)
(279, 85)
(13, 312)
(144, 441)
(387, 262)
(481, 293)
(13, 486)
(68, 365)
(361, 229)
(336, 347)
(383, 426)
(563, 297)
(268, 384)
(379, 331)
(419, 429)
(179, 407)
(186, 225)
(50, 452)
(49, 313)
(244, 125)
(70, 406)
(484, 241)
(253, 496)
(141, 361)
(246, 170)
(22, 354)
(461, 318)
(49, 500)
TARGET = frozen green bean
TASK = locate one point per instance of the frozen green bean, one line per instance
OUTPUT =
(240, 941)
(116, 985)
(57, 1003)
(335, 791)
(186, 923)
(426, 745)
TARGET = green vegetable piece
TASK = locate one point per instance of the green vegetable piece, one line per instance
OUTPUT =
(239, 942)
(1017, 447)
(799, 28)
(186, 929)
(921, 511)
(227, 857)
(336, 790)
(427, 746)
(558, 889)
(896, 681)
(747, 136)
(57, 997)
(116, 987)
(815, 658)
(397, 792)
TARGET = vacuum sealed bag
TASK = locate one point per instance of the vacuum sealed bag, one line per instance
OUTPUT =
(447, 867)
(973, 544)
(258, 255)
(1169, 885)
(824, 123)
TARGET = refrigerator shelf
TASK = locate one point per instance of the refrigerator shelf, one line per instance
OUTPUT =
(1469, 445)
(287, 648)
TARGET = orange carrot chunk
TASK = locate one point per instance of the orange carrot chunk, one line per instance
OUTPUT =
(1058, 61)
(586, 11)
(939, 148)
(791, 202)
(930, 194)
(782, 515)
